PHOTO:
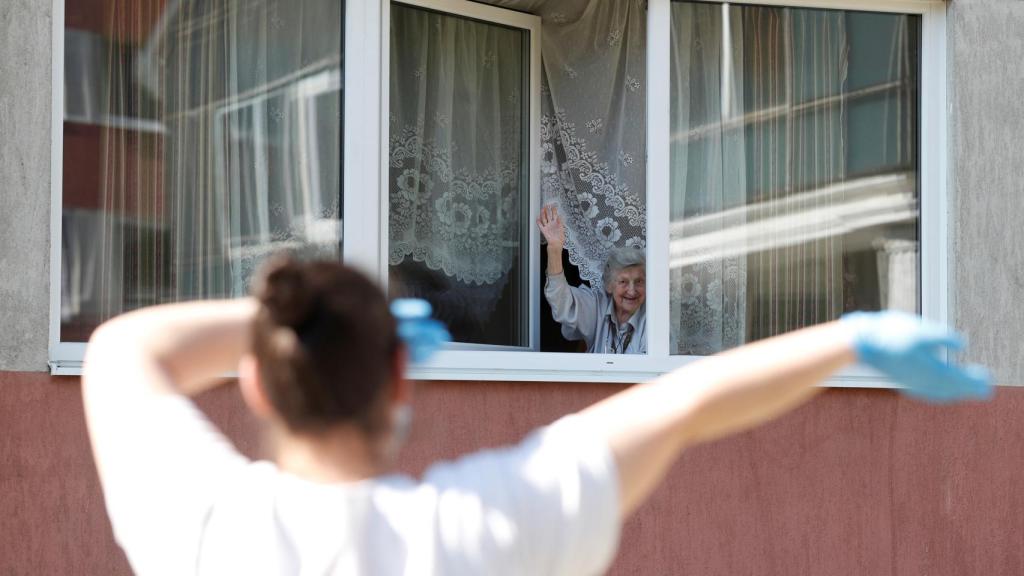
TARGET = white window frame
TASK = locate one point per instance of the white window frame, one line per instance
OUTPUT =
(65, 358)
(365, 190)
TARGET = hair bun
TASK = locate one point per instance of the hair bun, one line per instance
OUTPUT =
(283, 291)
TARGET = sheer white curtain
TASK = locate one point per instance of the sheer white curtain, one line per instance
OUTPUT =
(708, 175)
(250, 98)
(456, 144)
(759, 142)
(457, 151)
(593, 126)
(458, 177)
(798, 142)
(212, 129)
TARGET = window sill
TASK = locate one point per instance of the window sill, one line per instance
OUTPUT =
(555, 367)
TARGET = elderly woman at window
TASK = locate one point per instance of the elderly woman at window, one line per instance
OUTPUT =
(610, 319)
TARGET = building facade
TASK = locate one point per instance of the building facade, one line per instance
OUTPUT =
(859, 481)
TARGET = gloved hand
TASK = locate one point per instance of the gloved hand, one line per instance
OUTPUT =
(906, 348)
(421, 334)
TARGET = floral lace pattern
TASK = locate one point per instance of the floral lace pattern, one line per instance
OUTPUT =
(592, 124)
(600, 211)
(466, 223)
(708, 305)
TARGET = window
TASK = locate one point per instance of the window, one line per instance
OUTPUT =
(794, 169)
(779, 165)
(197, 137)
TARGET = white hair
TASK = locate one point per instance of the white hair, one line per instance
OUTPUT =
(618, 260)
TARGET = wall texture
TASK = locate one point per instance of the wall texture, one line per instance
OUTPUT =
(986, 81)
(856, 482)
(25, 33)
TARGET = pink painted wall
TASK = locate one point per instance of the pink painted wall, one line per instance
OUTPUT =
(857, 482)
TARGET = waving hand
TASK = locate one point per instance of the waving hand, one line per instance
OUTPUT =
(551, 226)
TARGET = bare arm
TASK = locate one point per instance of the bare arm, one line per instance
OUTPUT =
(160, 351)
(185, 345)
(161, 462)
(648, 425)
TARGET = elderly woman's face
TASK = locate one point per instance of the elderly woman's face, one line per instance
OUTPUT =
(629, 289)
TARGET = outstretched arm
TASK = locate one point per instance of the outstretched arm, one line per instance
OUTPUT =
(648, 425)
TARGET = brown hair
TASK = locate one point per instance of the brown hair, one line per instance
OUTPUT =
(325, 342)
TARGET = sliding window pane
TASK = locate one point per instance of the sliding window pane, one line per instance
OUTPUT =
(794, 169)
(458, 183)
(199, 136)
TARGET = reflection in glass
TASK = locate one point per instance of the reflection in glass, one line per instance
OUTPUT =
(458, 188)
(794, 164)
(199, 136)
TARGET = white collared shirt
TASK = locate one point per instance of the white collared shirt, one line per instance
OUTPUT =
(587, 313)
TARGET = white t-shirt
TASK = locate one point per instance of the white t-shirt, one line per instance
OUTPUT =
(182, 501)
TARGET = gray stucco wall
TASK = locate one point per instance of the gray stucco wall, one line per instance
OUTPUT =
(986, 88)
(25, 39)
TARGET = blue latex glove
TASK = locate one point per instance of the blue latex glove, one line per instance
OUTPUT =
(906, 348)
(420, 333)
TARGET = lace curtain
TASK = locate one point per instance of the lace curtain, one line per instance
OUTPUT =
(458, 173)
(593, 134)
(457, 178)
(593, 125)
(456, 143)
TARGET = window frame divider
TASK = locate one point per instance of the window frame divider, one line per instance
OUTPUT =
(920, 7)
(364, 125)
(659, 142)
(57, 350)
(935, 280)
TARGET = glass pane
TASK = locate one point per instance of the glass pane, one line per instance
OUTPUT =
(794, 164)
(458, 185)
(199, 136)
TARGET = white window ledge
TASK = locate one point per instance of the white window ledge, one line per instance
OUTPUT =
(556, 367)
